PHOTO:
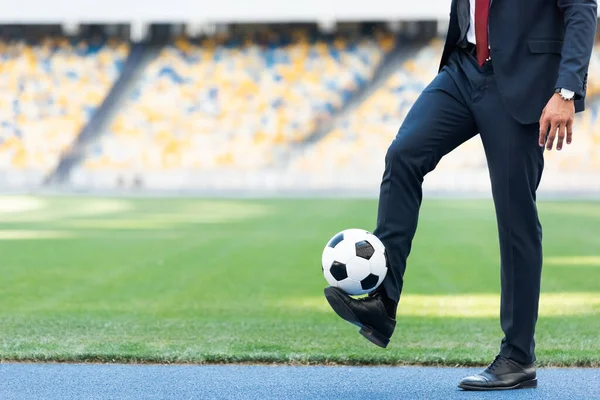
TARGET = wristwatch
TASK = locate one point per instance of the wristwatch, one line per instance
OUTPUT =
(566, 94)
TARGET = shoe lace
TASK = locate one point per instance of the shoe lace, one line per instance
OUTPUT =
(497, 361)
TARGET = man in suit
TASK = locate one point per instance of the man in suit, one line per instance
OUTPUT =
(515, 72)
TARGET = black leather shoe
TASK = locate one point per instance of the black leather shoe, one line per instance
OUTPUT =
(502, 374)
(368, 313)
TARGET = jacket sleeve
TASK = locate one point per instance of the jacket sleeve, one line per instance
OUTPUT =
(580, 18)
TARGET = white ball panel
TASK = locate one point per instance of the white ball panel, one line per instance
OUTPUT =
(355, 235)
(358, 268)
(327, 258)
(351, 287)
(378, 264)
(344, 251)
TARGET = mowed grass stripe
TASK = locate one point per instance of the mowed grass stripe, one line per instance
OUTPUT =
(193, 280)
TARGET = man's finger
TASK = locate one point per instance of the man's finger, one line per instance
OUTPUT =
(562, 130)
(570, 132)
(552, 134)
(544, 125)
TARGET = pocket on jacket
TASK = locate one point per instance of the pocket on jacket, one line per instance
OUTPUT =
(545, 46)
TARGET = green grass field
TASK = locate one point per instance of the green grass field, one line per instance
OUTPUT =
(192, 280)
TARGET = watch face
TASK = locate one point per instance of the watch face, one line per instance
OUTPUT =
(567, 94)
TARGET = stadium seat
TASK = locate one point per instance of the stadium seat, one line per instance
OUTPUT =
(48, 91)
(235, 102)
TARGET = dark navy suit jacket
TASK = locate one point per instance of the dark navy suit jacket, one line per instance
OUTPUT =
(536, 47)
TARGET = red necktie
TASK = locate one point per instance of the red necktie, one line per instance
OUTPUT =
(482, 12)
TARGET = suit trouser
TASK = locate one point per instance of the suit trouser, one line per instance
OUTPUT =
(460, 102)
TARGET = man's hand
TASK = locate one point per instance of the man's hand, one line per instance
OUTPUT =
(557, 117)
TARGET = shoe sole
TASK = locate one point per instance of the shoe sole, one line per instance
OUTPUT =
(347, 314)
(530, 384)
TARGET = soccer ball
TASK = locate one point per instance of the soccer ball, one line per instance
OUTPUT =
(354, 261)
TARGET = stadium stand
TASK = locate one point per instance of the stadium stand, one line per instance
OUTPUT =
(356, 146)
(48, 90)
(232, 101)
(246, 105)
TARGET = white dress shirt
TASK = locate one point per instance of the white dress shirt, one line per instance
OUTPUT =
(471, 31)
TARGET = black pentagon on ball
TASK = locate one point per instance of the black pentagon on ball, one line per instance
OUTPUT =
(364, 249)
(338, 271)
(335, 240)
(369, 282)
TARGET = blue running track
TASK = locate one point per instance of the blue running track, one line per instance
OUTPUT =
(92, 381)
